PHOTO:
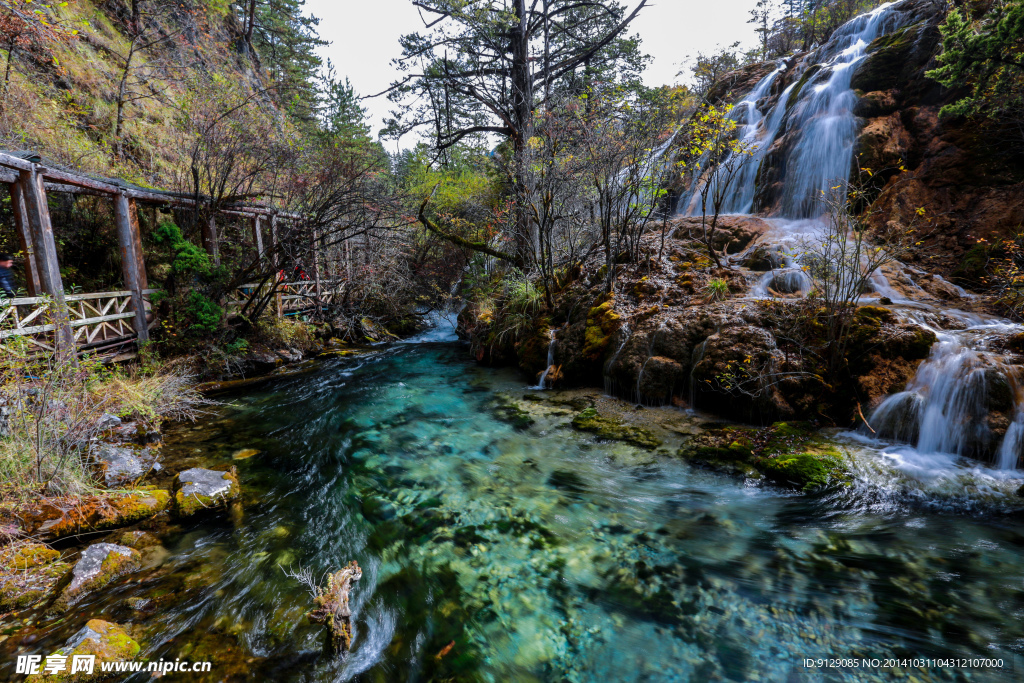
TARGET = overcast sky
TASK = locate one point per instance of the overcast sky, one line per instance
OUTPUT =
(364, 38)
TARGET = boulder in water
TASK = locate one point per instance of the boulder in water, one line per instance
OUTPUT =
(121, 465)
(103, 640)
(99, 565)
(200, 489)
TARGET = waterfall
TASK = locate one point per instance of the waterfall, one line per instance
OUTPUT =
(1013, 444)
(609, 383)
(809, 133)
(823, 112)
(551, 362)
(944, 407)
(817, 110)
(757, 134)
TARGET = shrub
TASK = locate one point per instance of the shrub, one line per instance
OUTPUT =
(204, 313)
(717, 290)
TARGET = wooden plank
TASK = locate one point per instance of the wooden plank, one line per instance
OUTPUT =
(25, 238)
(25, 301)
(17, 163)
(38, 213)
(132, 265)
(78, 180)
(73, 189)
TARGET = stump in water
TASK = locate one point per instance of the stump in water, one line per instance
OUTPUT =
(332, 607)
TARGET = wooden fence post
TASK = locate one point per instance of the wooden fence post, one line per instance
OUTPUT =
(132, 263)
(25, 238)
(211, 241)
(38, 213)
(273, 240)
(257, 232)
(316, 263)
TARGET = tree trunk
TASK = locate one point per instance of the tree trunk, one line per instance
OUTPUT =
(522, 113)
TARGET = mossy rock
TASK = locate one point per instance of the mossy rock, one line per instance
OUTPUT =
(805, 471)
(101, 513)
(794, 96)
(879, 314)
(199, 489)
(602, 323)
(606, 428)
(729, 450)
(99, 565)
(138, 539)
(105, 641)
(888, 61)
(788, 453)
(795, 455)
(29, 572)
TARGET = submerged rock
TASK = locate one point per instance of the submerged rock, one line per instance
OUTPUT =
(332, 607)
(99, 564)
(105, 641)
(28, 573)
(200, 489)
(606, 428)
(791, 454)
(509, 411)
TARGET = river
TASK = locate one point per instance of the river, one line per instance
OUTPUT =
(544, 554)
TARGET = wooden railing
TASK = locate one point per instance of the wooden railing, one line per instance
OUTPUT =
(292, 297)
(95, 319)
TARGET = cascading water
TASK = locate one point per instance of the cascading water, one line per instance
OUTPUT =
(810, 134)
(817, 110)
(756, 132)
(823, 111)
(541, 383)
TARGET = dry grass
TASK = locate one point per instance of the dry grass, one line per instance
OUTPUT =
(51, 412)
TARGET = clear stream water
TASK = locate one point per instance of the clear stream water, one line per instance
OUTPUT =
(544, 554)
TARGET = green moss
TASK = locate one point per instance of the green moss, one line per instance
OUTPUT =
(602, 323)
(875, 314)
(23, 557)
(113, 644)
(28, 573)
(805, 471)
(788, 453)
(590, 421)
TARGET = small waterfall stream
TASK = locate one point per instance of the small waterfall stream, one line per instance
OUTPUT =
(542, 382)
(945, 408)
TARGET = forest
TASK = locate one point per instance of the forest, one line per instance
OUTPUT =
(557, 374)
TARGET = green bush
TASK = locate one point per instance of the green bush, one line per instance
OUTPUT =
(204, 313)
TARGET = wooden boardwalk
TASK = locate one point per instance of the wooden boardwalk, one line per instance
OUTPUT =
(54, 322)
